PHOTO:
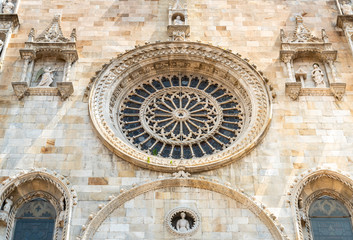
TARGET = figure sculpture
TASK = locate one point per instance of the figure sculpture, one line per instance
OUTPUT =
(9, 7)
(47, 77)
(178, 21)
(8, 204)
(346, 8)
(183, 224)
(318, 76)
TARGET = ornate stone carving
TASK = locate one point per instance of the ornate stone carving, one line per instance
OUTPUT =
(8, 7)
(302, 33)
(59, 184)
(178, 28)
(293, 89)
(338, 90)
(318, 75)
(44, 75)
(182, 221)
(119, 86)
(4, 213)
(303, 45)
(96, 219)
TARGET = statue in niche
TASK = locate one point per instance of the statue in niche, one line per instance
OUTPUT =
(346, 8)
(178, 21)
(318, 76)
(8, 204)
(8, 7)
(47, 77)
(182, 224)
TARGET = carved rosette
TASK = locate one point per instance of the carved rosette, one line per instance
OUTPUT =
(117, 83)
(192, 217)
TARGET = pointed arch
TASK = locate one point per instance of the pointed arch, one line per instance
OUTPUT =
(311, 185)
(29, 185)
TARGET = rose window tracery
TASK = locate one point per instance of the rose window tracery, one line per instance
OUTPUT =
(181, 116)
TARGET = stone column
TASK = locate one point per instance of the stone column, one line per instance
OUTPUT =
(24, 69)
(29, 75)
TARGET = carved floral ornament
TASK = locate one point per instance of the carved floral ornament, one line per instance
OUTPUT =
(96, 219)
(169, 105)
(51, 186)
(300, 203)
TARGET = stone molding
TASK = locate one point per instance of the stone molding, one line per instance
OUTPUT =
(306, 178)
(186, 57)
(51, 42)
(96, 219)
(61, 184)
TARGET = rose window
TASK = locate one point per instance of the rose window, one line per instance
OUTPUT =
(181, 117)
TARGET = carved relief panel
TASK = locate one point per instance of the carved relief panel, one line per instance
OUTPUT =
(309, 63)
(48, 60)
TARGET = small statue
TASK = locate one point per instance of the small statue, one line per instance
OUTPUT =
(346, 8)
(47, 77)
(318, 76)
(8, 7)
(178, 21)
(183, 224)
(8, 204)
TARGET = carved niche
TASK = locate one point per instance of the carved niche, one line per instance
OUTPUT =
(345, 19)
(178, 28)
(310, 64)
(8, 23)
(48, 60)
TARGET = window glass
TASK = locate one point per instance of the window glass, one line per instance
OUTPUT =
(330, 220)
(35, 220)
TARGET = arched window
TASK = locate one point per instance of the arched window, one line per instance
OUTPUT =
(35, 220)
(330, 220)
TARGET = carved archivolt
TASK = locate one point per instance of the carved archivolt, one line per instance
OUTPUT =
(49, 185)
(301, 200)
(130, 92)
(95, 220)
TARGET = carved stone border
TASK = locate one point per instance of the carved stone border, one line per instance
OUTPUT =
(267, 218)
(306, 178)
(192, 212)
(160, 58)
(60, 182)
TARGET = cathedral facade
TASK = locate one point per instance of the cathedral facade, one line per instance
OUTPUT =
(158, 119)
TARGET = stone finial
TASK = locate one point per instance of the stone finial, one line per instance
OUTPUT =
(302, 33)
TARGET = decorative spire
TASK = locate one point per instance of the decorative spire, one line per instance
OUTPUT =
(302, 33)
(53, 32)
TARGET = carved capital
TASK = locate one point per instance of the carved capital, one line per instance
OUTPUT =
(338, 90)
(65, 89)
(20, 89)
(293, 89)
(286, 55)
